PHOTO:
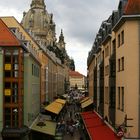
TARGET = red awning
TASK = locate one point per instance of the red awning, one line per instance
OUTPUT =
(97, 130)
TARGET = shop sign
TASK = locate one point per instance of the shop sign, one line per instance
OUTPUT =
(7, 66)
(7, 92)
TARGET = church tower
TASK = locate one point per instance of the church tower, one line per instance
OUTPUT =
(40, 22)
(61, 42)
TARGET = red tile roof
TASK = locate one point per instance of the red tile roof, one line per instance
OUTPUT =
(75, 74)
(97, 130)
(7, 38)
(132, 7)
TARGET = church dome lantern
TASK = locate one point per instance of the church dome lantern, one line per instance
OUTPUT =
(39, 21)
(38, 4)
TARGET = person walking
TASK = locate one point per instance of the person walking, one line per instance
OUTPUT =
(71, 130)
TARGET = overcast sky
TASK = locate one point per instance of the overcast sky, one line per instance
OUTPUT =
(79, 19)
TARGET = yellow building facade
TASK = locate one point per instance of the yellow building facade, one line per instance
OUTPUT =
(77, 80)
(113, 69)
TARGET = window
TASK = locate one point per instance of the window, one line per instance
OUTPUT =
(7, 117)
(122, 37)
(122, 90)
(119, 65)
(112, 68)
(35, 70)
(119, 40)
(106, 51)
(112, 97)
(8, 59)
(119, 97)
(122, 61)
(114, 46)
(12, 93)
(15, 92)
(32, 69)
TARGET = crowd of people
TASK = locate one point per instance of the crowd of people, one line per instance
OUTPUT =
(70, 122)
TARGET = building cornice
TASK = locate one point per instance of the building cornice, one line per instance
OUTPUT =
(123, 19)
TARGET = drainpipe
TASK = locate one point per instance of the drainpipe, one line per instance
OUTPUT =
(139, 86)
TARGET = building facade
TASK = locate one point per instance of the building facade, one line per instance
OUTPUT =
(40, 23)
(19, 77)
(113, 68)
(77, 80)
(34, 69)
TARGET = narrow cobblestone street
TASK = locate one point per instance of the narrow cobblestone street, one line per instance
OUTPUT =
(76, 134)
(71, 111)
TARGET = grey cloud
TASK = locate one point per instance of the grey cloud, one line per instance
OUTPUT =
(16, 4)
(80, 19)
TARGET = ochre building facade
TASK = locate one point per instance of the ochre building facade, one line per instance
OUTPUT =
(114, 69)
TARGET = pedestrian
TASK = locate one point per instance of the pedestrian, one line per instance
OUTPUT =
(71, 130)
(70, 114)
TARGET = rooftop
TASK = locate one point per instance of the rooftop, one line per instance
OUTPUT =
(75, 74)
(7, 38)
(132, 7)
